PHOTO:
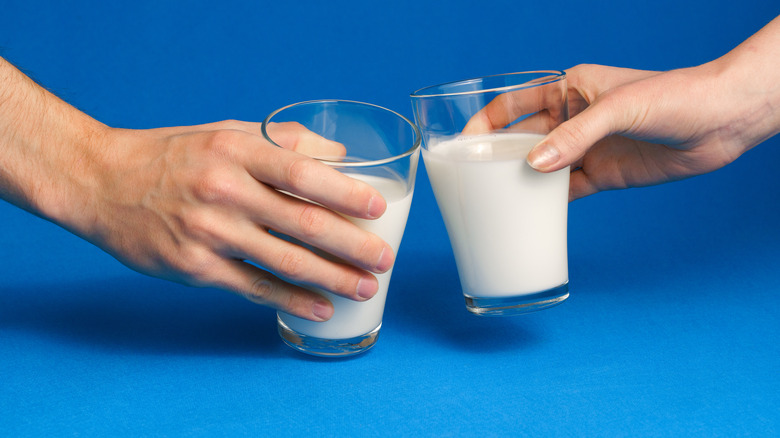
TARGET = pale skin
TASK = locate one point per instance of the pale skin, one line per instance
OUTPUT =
(633, 128)
(193, 204)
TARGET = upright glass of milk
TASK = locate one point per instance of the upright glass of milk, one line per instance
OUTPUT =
(506, 221)
(382, 149)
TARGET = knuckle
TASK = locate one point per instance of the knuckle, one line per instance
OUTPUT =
(292, 126)
(359, 190)
(624, 113)
(572, 136)
(231, 124)
(585, 67)
(196, 264)
(291, 264)
(344, 284)
(268, 290)
(222, 141)
(370, 249)
(359, 194)
(312, 220)
(262, 288)
(298, 170)
(285, 134)
(214, 186)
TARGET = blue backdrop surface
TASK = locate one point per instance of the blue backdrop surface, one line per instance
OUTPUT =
(672, 328)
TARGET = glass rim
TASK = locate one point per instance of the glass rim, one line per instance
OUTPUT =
(372, 163)
(557, 75)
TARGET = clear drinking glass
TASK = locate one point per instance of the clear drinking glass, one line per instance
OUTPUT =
(382, 149)
(506, 221)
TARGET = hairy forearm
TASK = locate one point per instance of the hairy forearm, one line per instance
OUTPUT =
(191, 203)
(45, 147)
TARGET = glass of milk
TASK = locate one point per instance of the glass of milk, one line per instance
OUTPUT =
(506, 221)
(382, 148)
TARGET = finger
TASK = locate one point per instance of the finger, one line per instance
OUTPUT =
(568, 142)
(239, 125)
(295, 173)
(305, 177)
(618, 162)
(264, 288)
(299, 265)
(291, 171)
(294, 136)
(232, 230)
(289, 135)
(616, 111)
(539, 123)
(506, 108)
(580, 185)
(595, 84)
(326, 230)
(589, 81)
(233, 125)
(313, 224)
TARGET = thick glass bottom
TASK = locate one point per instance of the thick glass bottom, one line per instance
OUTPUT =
(519, 304)
(327, 347)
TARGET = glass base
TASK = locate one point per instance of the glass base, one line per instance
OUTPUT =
(327, 347)
(519, 304)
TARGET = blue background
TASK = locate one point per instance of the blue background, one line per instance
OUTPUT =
(672, 328)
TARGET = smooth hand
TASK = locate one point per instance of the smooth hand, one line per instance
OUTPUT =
(633, 128)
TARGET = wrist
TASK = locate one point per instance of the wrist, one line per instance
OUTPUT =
(750, 87)
(77, 166)
(48, 149)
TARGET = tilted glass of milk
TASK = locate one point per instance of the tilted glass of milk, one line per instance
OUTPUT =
(507, 222)
(382, 149)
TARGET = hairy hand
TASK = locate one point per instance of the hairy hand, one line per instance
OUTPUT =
(196, 204)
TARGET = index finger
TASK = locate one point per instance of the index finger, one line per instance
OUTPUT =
(310, 179)
(295, 136)
(510, 106)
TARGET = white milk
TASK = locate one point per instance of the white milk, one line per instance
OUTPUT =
(506, 221)
(353, 318)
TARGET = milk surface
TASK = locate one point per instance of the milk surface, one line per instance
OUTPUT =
(506, 221)
(353, 318)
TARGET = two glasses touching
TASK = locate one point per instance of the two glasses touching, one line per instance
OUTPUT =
(507, 222)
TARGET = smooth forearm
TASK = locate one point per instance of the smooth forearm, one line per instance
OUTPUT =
(750, 75)
(46, 148)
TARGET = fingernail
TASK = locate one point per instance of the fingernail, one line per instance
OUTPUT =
(386, 259)
(543, 156)
(376, 206)
(322, 310)
(367, 287)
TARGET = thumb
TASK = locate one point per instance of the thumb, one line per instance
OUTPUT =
(568, 142)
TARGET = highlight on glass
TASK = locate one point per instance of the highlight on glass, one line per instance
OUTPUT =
(507, 222)
(381, 148)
